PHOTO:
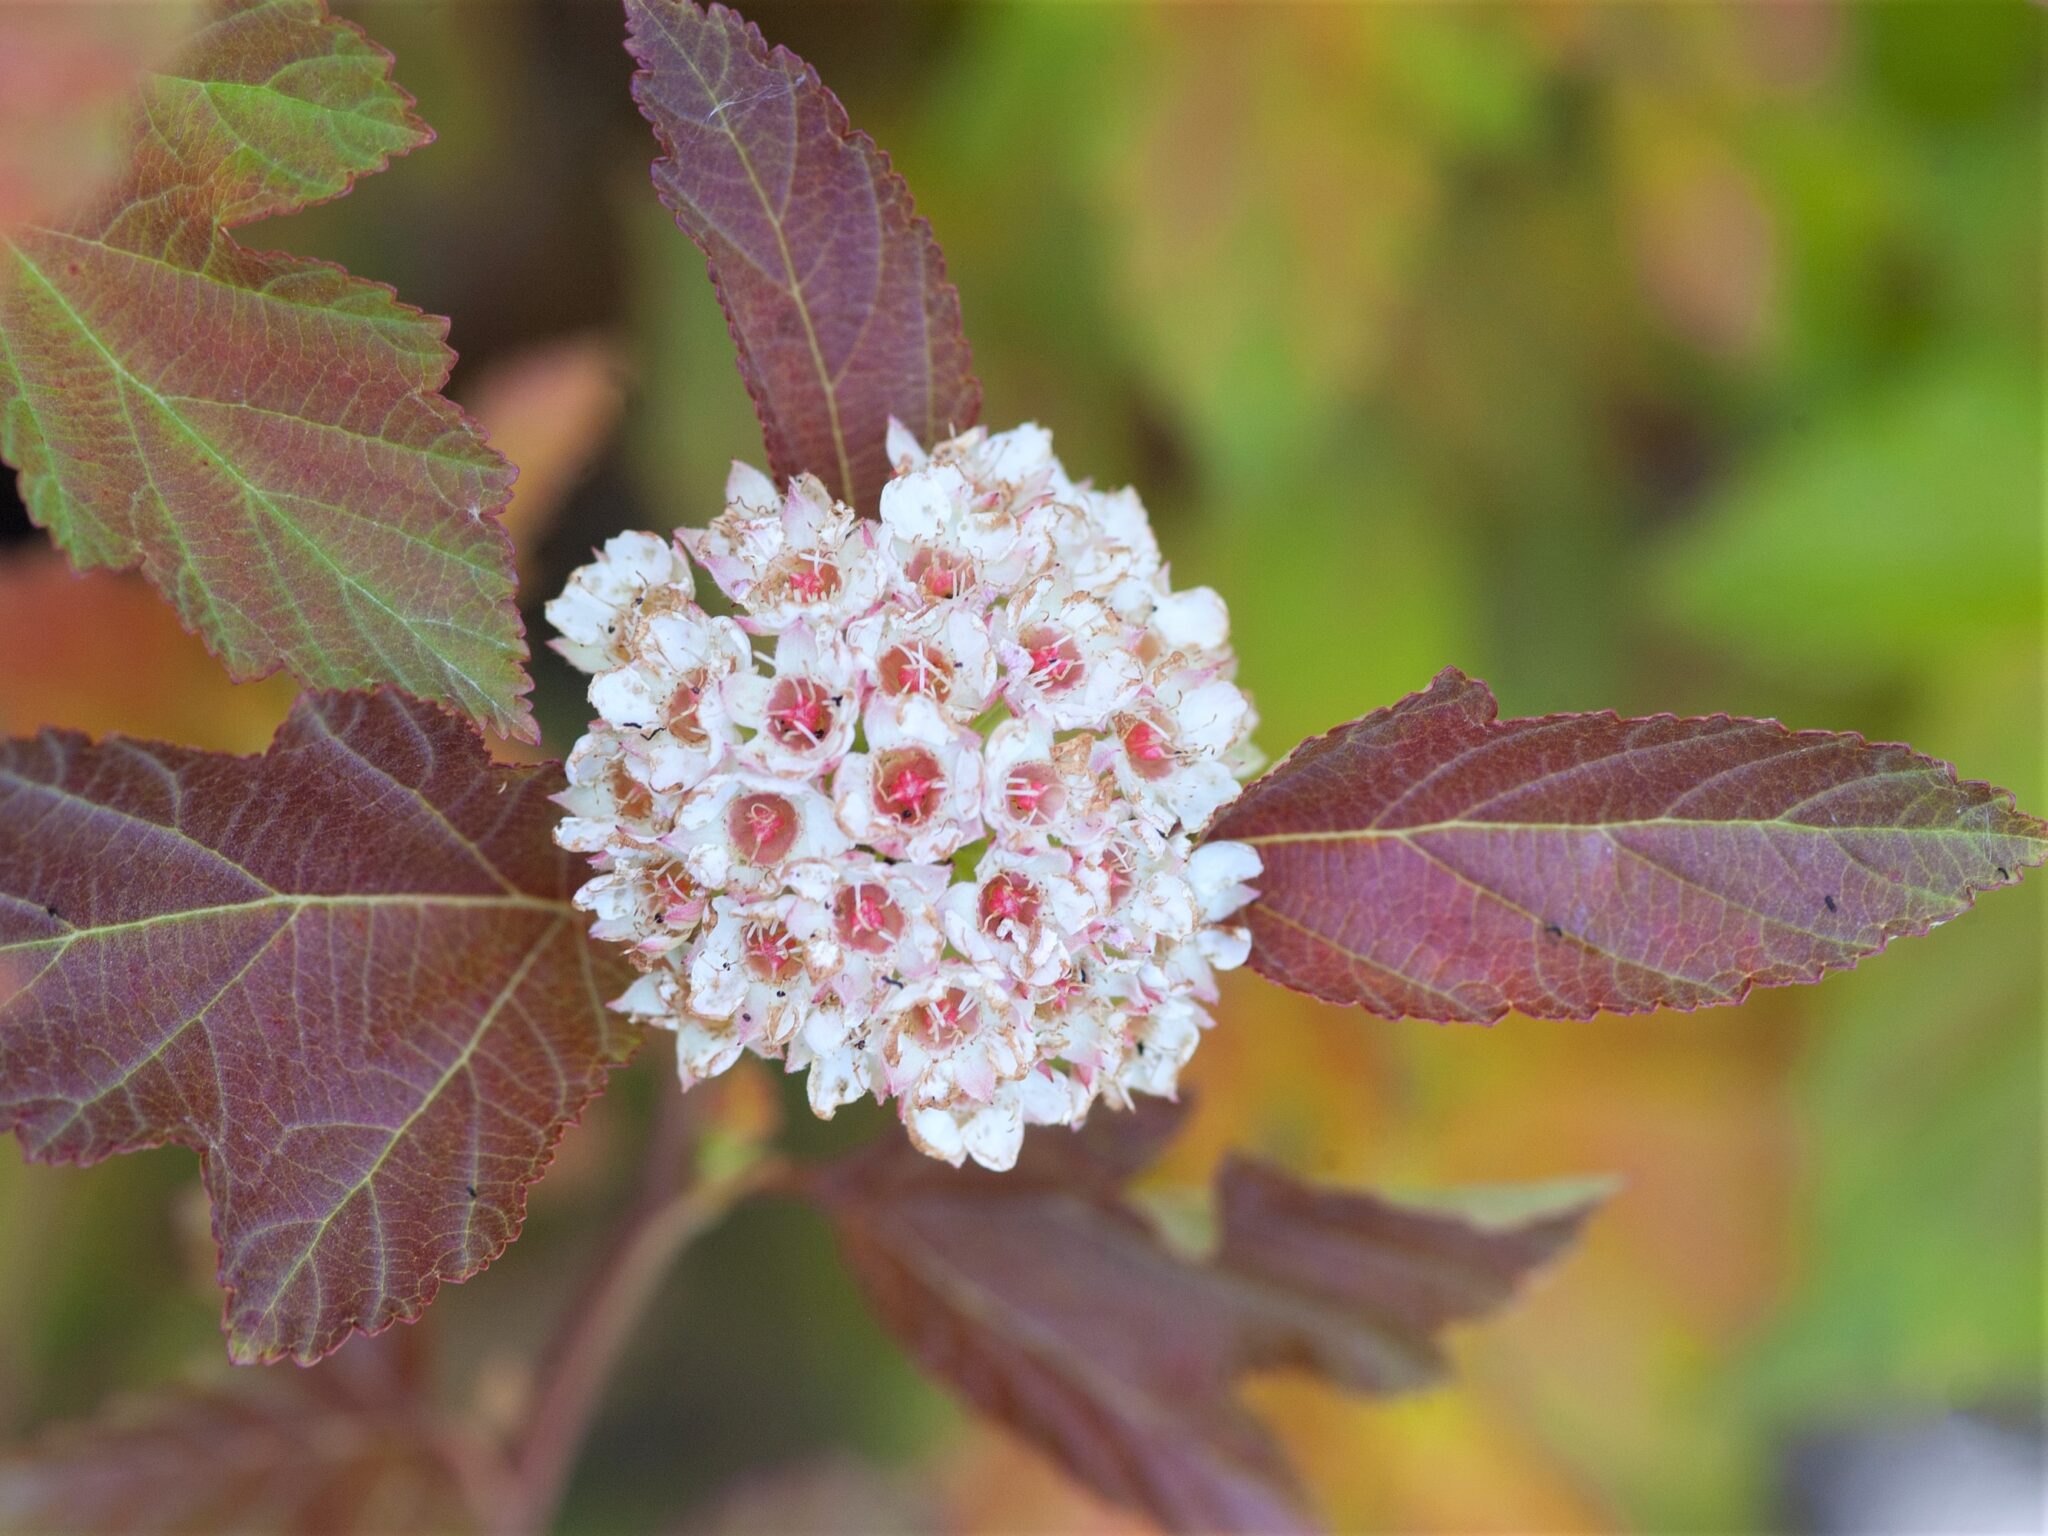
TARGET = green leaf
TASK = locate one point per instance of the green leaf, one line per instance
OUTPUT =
(1897, 530)
(263, 434)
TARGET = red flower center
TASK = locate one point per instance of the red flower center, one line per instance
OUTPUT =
(1009, 900)
(948, 1019)
(804, 578)
(940, 573)
(916, 666)
(681, 902)
(1034, 793)
(867, 919)
(1055, 657)
(763, 827)
(800, 712)
(772, 952)
(1148, 747)
(909, 784)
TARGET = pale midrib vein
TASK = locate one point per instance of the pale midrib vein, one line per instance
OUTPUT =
(795, 289)
(255, 496)
(1404, 834)
(427, 1100)
(295, 905)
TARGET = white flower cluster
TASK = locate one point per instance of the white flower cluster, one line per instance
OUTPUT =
(935, 841)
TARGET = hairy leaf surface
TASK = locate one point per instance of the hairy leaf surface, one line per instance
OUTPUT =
(346, 972)
(835, 291)
(263, 434)
(348, 1447)
(1045, 1297)
(1435, 861)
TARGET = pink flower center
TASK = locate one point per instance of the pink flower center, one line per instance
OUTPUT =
(1034, 794)
(909, 784)
(800, 712)
(1148, 747)
(681, 902)
(948, 1019)
(1055, 658)
(802, 578)
(940, 573)
(867, 919)
(763, 827)
(916, 666)
(1009, 903)
(772, 952)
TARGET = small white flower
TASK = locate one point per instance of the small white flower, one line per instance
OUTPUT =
(804, 714)
(1037, 791)
(940, 652)
(591, 611)
(670, 693)
(999, 665)
(808, 557)
(744, 830)
(1067, 657)
(916, 792)
(1025, 914)
(764, 964)
(1104, 545)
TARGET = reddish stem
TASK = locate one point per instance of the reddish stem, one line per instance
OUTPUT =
(668, 1213)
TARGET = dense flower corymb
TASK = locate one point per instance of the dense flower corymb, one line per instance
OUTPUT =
(921, 818)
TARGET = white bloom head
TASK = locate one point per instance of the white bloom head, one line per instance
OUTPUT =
(920, 819)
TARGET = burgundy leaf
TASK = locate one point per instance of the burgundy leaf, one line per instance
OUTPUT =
(346, 972)
(343, 1448)
(835, 291)
(263, 434)
(1048, 1300)
(1433, 860)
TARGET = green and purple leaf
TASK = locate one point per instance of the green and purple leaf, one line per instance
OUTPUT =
(346, 972)
(1046, 1298)
(263, 434)
(834, 289)
(1431, 860)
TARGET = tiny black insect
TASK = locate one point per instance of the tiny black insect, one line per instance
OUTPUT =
(52, 911)
(2003, 874)
(1830, 903)
(1553, 930)
(472, 1190)
(894, 981)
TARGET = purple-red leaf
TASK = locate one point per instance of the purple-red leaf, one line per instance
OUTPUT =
(1435, 861)
(349, 1447)
(346, 972)
(263, 434)
(835, 291)
(1048, 1300)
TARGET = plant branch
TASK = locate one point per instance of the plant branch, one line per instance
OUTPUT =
(671, 1210)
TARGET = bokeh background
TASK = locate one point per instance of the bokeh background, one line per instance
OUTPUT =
(1646, 356)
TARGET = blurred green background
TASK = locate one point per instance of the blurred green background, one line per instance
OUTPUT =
(1644, 356)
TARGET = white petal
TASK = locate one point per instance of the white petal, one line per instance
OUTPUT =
(1194, 620)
